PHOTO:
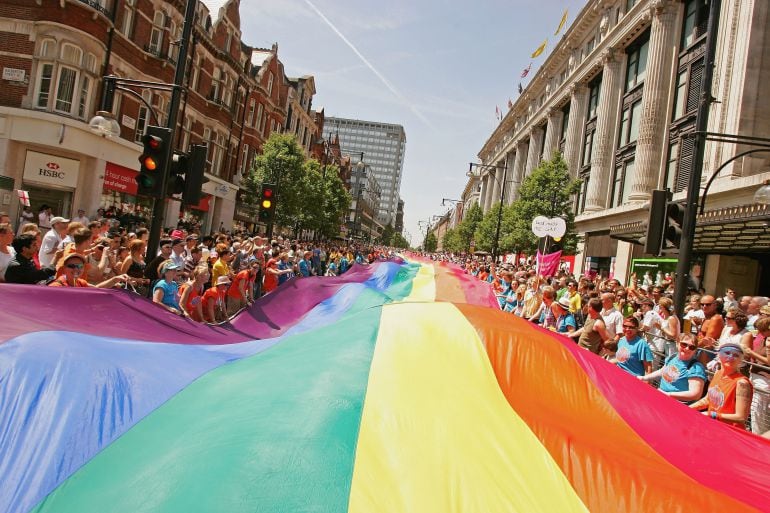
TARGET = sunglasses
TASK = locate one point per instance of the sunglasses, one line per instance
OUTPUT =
(629, 327)
(731, 354)
(691, 347)
(74, 266)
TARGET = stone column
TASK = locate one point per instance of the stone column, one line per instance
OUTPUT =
(498, 179)
(552, 133)
(575, 126)
(651, 146)
(535, 147)
(519, 165)
(509, 185)
(487, 192)
(604, 142)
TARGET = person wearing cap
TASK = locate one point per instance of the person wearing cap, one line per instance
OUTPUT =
(650, 325)
(682, 376)
(191, 241)
(213, 302)
(72, 268)
(565, 321)
(166, 290)
(633, 354)
(51, 241)
(177, 255)
(730, 392)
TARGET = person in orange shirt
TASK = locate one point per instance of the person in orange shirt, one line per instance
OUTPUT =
(72, 267)
(239, 293)
(192, 293)
(213, 301)
(729, 395)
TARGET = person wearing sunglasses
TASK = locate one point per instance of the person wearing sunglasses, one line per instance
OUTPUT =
(633, 354)
(72, 267)
(730, 392)
(682, 376)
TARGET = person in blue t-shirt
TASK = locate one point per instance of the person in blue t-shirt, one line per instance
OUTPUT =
(565, 321)
(633, 354)
(343, 265)
(682, 375)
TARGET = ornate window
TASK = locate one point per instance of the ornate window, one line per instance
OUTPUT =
(65, 78)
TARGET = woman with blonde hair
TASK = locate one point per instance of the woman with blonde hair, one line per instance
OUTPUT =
(670, 327)
(133, 265)
(191, 293)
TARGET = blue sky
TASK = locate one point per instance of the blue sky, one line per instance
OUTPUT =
(437, 68)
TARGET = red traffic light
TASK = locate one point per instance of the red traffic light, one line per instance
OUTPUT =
(153, 141)
(267, 193)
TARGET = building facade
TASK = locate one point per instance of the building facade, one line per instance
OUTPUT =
(53, 55)
(617, 97)
(383, 146)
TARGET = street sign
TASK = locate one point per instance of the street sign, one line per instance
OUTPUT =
(544, 227)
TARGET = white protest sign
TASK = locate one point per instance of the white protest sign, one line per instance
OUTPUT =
(545, 227)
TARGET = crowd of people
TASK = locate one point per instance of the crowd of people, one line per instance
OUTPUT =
(715, 360)
(206, 278)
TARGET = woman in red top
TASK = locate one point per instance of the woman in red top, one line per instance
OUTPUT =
(214, 301)
(192, 293)
(729, 395)
(71, 268)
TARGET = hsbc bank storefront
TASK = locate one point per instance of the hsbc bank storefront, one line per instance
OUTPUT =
(50, 180)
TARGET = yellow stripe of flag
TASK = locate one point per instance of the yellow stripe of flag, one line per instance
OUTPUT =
(540, 49)
(561, 23)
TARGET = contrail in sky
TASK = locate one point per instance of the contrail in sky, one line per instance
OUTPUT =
(369, 65)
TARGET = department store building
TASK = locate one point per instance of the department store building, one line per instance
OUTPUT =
(618, 96)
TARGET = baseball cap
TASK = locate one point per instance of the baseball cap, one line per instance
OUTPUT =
(59, 219)
(169, 266)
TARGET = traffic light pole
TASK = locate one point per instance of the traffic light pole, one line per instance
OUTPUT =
(159, 205)
(693, 186)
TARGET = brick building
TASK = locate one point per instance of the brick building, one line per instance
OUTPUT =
(53, 55)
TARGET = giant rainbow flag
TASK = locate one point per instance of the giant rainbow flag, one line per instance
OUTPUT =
(394, 387)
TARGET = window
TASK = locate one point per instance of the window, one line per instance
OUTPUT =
(215, 78)
(580, 198)
(141, 118)
(588, 148)
(186, 132)
(270, 84)
(629, 124)
(65, 79)
(227, 93)
(245, 164)
(564, 125)
(127, 23)
(173, 46)
(623, 177)
(636, 68)
(258, 121)
(695, 22)
(673, 158)
(593, 97)
(196, 71)
(156, 34)
(250, 115)
(680, 95)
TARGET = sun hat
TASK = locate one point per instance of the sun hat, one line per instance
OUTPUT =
(730, 345)
(223, 280)
(169, 266)
(564, 302)
(177, 234)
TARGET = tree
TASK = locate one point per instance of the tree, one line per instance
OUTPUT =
(451, 241)
(281, 163)
(548, 192)
(466, 230)
(486, 229)
(430, 242)
(398, 241)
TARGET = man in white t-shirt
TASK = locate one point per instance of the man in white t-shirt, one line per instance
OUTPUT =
(613, 319)
(81, 218)
(51, 241)
(6, 250)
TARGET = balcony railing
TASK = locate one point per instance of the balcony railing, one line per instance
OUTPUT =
(97, 5)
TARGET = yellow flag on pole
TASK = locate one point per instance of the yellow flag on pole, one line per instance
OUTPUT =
(540, 49)
(561, 23)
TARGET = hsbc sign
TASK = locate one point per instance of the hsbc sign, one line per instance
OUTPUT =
(48, 169)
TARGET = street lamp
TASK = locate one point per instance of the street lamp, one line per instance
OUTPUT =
(444, 200)
(504, 167)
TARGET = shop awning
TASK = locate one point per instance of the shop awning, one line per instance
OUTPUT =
(739, 229)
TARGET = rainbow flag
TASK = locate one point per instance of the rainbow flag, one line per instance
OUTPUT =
(396, 387)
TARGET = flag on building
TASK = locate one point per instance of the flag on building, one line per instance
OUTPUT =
(525, 72)
(521, 89)
(510, 104)
(23, 197)
(497, 112)
(561, 23)
(540, 49)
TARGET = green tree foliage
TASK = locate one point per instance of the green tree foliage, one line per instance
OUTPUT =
(386, 238)
(466, 230)
(431, 242)
(451, 241)
(486, 229)
(548, 192)
(308, 197)
(398, 241)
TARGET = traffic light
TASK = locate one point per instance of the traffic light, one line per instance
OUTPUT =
(656, 220)
(195, 176)
(177, 173)
(267, 204)
(152, 162)
(672, 233)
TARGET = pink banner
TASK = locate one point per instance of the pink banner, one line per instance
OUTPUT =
(548, 265)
